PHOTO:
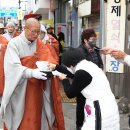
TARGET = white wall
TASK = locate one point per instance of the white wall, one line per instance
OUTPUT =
(41, 7)
(41, 4)
(7, 3)
(30, 6)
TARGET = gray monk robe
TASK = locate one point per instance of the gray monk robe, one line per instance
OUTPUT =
(23, 105)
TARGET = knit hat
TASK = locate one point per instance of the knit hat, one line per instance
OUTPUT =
(10, 24)
(43, 29)
(46, 37)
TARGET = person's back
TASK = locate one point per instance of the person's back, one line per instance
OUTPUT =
(99, 91)
(99, 79)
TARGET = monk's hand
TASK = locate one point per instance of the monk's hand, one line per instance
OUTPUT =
(52, 66)
(36, 73)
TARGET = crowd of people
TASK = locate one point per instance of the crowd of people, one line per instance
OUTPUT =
(32, 101)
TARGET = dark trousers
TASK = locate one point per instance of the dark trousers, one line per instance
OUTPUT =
(80, 110)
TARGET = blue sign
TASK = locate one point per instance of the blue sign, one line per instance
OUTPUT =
(2, 14)
(13, 14)
(8, 12)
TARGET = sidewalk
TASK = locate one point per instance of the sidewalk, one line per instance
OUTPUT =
(69, 116)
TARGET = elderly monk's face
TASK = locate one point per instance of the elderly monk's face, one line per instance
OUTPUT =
(32, 32)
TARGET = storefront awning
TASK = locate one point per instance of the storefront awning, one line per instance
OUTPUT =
(37, 16)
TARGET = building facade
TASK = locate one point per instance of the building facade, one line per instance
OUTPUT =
(72, 16)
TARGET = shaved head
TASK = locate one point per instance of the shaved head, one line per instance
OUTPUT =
(32, 29)
(31, 22)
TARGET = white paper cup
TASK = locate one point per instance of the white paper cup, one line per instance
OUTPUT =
(43, 65)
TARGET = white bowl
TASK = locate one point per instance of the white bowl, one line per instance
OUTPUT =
(43, 65)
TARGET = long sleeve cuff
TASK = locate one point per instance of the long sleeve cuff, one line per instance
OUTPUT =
(127, 60)
(28, 73)
(57, 67)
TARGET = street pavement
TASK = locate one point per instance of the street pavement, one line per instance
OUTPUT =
(69, 116)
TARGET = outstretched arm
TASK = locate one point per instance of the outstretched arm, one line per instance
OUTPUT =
(61, 69)
(120, 55)
(117, 54)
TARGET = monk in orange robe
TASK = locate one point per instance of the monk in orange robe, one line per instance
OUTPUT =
(50, 42)
(3, 45)
(11, 31)
(54, 43)
(3, 40)
(25, 104)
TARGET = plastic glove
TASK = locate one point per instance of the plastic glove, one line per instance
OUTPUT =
(36, 73)
(56, 73)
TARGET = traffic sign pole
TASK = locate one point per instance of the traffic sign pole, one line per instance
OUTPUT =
(20, 21)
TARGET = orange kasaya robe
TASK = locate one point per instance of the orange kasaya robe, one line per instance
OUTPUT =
(53, 52)
(34, 99)
(16, 34)
(54, 43)
(3, 42)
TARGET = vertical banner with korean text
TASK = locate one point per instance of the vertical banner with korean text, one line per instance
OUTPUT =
(116, 14)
